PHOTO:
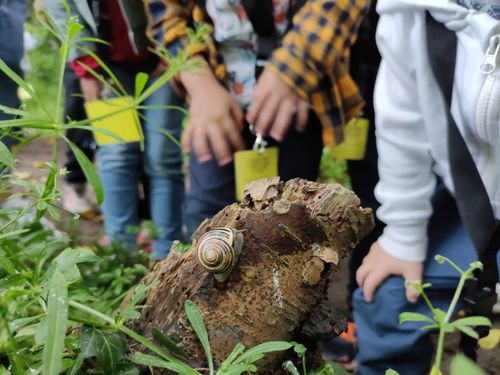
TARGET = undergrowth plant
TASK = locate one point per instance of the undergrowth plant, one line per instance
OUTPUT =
(443, 321)
(59, 302)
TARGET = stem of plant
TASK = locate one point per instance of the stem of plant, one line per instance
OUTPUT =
(59, 110)
(24, 212)
(130, 333)
(451, 309)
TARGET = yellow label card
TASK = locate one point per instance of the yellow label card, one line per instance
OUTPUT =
(124, 124)
(253, 165)
(355, 138)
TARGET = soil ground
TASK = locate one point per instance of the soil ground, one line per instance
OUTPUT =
(89, 230)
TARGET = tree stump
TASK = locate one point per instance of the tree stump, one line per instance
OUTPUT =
(294, 235)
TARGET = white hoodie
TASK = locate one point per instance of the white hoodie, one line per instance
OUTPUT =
(411, 116)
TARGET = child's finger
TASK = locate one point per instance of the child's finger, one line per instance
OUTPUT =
(200, 146)
(302, 116)
(361, 274)
(283, 120)
(371, 283)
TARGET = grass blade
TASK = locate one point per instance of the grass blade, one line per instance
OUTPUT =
(167, 342)
(271, 346)
(89, 171)
(198, 325)
(57, 320)
(152, 361)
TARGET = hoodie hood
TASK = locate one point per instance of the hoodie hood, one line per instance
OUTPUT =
(454, 16)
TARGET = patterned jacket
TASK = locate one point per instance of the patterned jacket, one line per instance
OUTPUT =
(313, 57)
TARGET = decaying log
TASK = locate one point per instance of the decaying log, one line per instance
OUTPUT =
(294, 235)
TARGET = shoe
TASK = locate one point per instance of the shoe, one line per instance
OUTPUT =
(342, 349)
(496, 307)
(74, 198)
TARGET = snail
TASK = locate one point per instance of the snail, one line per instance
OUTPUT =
(219, 250)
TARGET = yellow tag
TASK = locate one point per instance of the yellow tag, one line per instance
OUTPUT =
(124, 124)
(253, 165)
(354, 145)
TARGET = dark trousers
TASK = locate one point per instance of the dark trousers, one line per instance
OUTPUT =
(74, 109)
(212, 187)
(12, 16)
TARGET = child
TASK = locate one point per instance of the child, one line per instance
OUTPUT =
(123, 25)
(307, 70)
(412, 144)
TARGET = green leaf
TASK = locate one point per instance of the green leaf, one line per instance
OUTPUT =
(7, 265)
(152, 361)
(238, 349)
(439, 316)
(461, 365)
(472, 321)
(299, 349)
(198, 325)
(107, 347)
(167, 342)
(20, 82)
(271, 346)
(391, 372)
(290, 367)
(67, 261)
(57, 320)
(73, 29)
(5, 156)
(468, 331)
(15, 280)
(108, 71)
(112, 349)
(89, 171)
(141, 79)
(126, 369)
(234, 370)
(13, 234)
(429, 326)
(414, 317)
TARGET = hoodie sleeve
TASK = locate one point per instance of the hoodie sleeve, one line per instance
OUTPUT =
(405, 164)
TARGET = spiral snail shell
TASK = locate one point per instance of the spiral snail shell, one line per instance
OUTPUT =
(218, 251)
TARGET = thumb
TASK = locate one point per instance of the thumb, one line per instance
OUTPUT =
(413, 274)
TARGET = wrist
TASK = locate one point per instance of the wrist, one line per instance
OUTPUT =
(198, 79)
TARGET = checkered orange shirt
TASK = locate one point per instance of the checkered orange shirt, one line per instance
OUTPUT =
(313, 57)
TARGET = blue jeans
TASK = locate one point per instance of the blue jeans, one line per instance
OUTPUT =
(121, 166)
(383, 343)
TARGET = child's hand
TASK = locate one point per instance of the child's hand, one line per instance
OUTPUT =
(378, 265)
(91, 89)
(274, 105)
(216, 118)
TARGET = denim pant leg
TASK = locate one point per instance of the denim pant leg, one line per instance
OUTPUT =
(383, 343)
(163, 167)
(120, 170)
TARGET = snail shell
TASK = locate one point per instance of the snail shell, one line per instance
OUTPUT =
(218, 251)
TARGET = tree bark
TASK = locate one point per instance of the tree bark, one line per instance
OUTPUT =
(294, 235)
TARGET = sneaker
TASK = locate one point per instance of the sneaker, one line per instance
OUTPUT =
(496, 307)
(74, 199)
(342, 349)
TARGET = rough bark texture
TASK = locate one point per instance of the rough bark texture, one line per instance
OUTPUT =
(294, 235)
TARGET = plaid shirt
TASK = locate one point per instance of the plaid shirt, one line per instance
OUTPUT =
(313, 57)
